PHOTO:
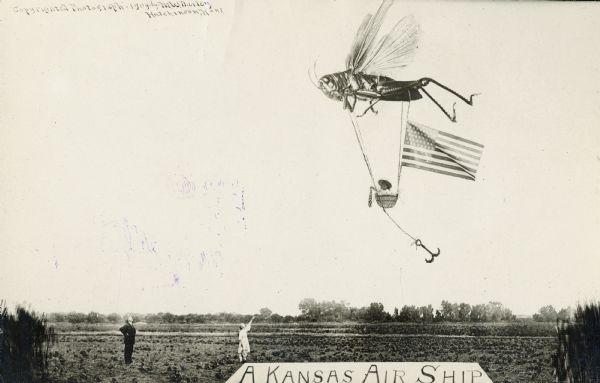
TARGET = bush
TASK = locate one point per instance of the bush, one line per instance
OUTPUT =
(25, 340)
(546, 314)
(577, 358)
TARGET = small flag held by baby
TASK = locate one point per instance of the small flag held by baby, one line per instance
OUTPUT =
(440, 152)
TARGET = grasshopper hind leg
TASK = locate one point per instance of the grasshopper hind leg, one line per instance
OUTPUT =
(372, 103)
(469, 101)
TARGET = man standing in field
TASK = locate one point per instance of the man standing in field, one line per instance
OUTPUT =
(244, 347)
(128, 332)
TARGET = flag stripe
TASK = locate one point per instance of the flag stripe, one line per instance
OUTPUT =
(457, 158)
(461, 139)
(415, 151)
(458, 151)
(430, 162)
(411, 165)
(458, 163)
(445, 157)
(410, 149)
(464, 147)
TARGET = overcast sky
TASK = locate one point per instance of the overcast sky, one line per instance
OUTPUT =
(187, 164)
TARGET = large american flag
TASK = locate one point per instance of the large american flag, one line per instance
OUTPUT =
(440, 152)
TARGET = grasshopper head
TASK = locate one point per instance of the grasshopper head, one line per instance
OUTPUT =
(331, 87)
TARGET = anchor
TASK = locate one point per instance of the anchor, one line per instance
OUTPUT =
(433, 255)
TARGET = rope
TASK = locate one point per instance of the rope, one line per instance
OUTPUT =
(360, 143)
(358, 134)
(402, 130)
(398, 226)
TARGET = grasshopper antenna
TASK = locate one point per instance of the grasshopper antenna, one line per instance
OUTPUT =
(315, 69)
(311, 79)
(314, 78)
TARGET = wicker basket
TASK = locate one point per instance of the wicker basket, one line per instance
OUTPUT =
(386, 201)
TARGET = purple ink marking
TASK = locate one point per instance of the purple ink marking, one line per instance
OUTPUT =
(187, 187)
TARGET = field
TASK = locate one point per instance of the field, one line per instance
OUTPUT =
(516, 352)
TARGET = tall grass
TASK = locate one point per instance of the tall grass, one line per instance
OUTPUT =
(25, 341)
(577, 358)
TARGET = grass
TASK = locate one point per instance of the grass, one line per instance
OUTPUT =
(517, 328)
(25, 340)
(577, 357)
(518, 352)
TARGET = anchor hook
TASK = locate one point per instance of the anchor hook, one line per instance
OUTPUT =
(433, 255)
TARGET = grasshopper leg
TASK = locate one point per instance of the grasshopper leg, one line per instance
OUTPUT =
(370, 107)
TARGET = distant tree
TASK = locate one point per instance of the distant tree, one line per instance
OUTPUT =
(57, 317)
(455, 316)
(191, 318)
(149, 318)
(426, 313)
(310, 310)
(94, 317)
(354, 314)
(336, 311)
(74, 317)
(168, 318)
(224, 317)
(396, 315)
(327, 310)
(276, 318)
(494, 311)
(478, 313)
(409, 314)
(449, 311)
(564, 314)
(375, 313)
(116, 318)
(546, 314)
(446, 310)
(507, 314)
(264, 313)
(464, 309)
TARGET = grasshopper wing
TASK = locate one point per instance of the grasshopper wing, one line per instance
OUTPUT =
(393, 51)
(362, 46)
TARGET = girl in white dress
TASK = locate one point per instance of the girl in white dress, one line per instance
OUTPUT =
(244, 347)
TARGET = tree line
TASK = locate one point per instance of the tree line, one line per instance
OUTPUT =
(549, 314)
(332, 311)
(26, 338)
(312, 310)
